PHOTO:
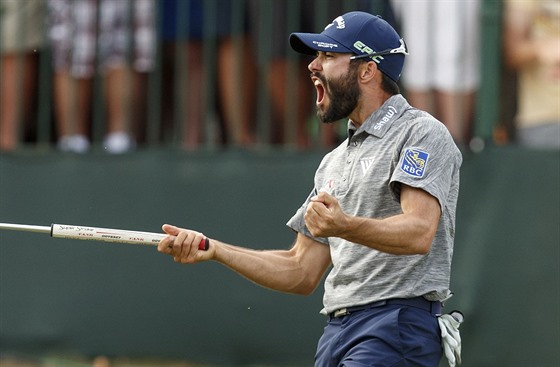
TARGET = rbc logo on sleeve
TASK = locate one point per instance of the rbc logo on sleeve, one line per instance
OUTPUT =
(414, 162)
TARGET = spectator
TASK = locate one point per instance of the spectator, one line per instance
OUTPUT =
(186, 26)
(280, 70)
(21, 35)
(295, 98)
(532, 49)
(442, 71)
(90, 35)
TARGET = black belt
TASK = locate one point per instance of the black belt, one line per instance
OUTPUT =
(433, 307)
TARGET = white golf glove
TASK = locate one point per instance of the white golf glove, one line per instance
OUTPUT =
(450, 337)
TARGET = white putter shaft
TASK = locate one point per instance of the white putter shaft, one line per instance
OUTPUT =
(95, 234)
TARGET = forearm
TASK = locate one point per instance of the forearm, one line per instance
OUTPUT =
(398, 235)
(408, 233)
(279, 270)
(297, 270)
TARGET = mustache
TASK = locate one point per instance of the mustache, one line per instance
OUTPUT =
(319, 76)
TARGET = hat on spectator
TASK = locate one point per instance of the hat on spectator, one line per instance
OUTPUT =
(363, 34)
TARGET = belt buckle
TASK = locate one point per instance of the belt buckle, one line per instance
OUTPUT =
(341, 312)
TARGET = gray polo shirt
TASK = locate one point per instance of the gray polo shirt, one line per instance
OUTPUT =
(396, 145)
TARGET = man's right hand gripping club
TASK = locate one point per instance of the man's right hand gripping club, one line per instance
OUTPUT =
(185, 246)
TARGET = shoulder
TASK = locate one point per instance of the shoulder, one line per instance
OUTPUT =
(422, 123)
(423, 130)
(406, 116)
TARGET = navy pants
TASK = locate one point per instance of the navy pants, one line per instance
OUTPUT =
(386, 336)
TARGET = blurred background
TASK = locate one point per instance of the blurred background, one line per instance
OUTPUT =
(133, 113)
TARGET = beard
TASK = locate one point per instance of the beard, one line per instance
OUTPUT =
(343, 94)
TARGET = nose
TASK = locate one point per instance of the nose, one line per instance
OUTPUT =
(314, 65)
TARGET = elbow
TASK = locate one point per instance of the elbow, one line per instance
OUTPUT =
(424, 244)
(423, 248)
(304, 292)
(305, 288)
(424, 238)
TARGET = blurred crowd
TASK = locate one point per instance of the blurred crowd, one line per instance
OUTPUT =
(125, 73)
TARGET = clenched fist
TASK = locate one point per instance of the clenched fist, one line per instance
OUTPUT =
(324, 217)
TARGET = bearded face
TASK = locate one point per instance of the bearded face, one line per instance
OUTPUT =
(337, 97)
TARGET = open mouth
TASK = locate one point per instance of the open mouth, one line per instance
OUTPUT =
(320, 90)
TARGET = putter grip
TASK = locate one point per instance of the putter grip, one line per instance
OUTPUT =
(204, 244)
(112, 235)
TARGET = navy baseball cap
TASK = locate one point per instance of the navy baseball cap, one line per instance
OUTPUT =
(360, 33)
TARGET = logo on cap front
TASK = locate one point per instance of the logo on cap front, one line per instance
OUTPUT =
(340, 24)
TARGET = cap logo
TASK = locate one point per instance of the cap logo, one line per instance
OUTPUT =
(325, 44)
(367, 50)
(340, 24)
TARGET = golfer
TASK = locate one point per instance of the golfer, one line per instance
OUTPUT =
(381, 217)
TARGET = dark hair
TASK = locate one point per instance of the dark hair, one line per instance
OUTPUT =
(389, 85)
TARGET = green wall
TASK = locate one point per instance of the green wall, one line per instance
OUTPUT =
(94, 298)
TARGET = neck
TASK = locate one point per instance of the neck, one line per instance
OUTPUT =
(368, 104)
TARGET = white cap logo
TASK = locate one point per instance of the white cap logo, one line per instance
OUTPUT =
(339, 23)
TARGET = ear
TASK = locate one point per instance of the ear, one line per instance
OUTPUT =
(367, 71)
